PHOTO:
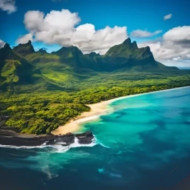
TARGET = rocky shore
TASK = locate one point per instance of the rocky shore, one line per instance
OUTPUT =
(8, 137)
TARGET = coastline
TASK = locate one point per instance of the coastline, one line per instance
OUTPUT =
(67, 133)
(96, 110)
(11, 139)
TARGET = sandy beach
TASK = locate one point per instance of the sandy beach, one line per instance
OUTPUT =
(73, 125)
(96, 110)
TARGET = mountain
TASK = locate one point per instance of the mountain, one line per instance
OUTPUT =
(129, 50)
(7, 53)
(71, 55)
(24, 49)
(13, 68)
(125, 55)
(69, 69)
(130, 53)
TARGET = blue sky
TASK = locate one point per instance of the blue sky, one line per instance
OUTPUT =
(144, 20)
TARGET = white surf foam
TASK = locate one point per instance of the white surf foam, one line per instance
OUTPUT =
(59, 147)
(103, 145)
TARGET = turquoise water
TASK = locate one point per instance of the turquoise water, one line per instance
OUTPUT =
(144, 144)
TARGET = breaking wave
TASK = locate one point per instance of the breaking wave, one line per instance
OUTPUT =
(59, 147)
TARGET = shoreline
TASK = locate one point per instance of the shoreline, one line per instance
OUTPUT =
(96, 110)
(73, 126)
(11, 139)
(67, 134)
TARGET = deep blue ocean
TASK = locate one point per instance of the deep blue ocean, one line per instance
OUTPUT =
(142, 144)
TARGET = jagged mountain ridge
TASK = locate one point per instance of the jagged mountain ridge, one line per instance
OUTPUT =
(125, 55)
(68, 66)
(130, 49)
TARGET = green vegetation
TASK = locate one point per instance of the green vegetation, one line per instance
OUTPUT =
(40, 91)
(39, 113)
(42, 112)
(9, 71)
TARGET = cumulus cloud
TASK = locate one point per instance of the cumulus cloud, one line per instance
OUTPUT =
(24, 39)
(144, 33)
(178, 34)
(2, 43)
(62, 27)
(167, 17)
(174, 46)
(8, 6)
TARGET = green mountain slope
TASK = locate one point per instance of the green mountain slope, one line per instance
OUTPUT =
(14, 70)
(130, 50)
(69, 69)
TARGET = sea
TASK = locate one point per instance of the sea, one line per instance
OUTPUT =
(142, 143)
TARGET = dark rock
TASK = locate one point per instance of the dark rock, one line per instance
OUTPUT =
(64, 139)
(8, 137)
(85, 138)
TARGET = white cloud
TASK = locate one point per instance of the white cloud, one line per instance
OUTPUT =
(8, 6)
(2, 43)
(24, 39)
(177, 34)
(144, 33)
(168, 16)
(33, 20)
(174, 46)
(62, 27)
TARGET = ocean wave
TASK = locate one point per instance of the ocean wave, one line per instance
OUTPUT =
(60, 149)
(103, 145)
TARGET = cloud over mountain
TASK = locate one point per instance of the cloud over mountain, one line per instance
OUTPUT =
(144, 33)
(173, 46)
(24, 39)
(62, 27)
(8, 6)
(2, 43)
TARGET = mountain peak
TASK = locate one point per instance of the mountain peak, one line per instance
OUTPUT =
(69, 51)
(130, 44)
(24, 49)
(7, 53)
(6, 46)
(42, 50)
(29, 42)
(127, 41)
(131, 51)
